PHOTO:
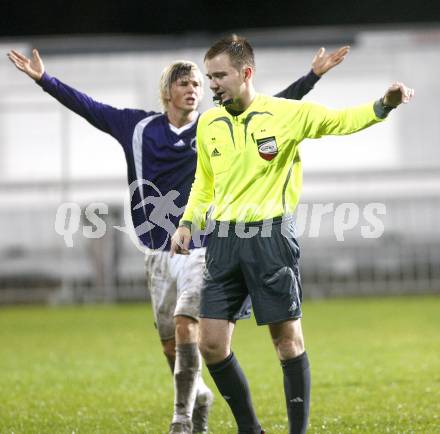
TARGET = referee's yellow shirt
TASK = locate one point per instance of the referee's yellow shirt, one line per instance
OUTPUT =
(249, 166)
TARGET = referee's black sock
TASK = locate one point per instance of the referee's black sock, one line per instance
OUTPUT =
(297, 390)
(232, 384)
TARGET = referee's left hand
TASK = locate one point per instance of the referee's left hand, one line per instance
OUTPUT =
(397, 94)
(180, 241)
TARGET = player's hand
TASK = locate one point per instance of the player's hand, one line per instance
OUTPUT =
(397, 94)
(180, 241)
(34, 67)
(323, 62)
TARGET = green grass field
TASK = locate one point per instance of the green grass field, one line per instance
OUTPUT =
(99, 369)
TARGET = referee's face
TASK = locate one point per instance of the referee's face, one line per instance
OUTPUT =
(225, 80)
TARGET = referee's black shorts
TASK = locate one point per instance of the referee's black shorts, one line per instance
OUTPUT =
(259, 260)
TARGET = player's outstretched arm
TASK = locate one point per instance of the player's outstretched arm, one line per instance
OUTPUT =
(323, 121)
(321, 63)
(118, 123)
(33, 67)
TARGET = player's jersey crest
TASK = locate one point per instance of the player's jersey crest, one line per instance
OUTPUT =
(267, 148)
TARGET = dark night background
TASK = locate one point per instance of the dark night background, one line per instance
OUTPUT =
(18, 18)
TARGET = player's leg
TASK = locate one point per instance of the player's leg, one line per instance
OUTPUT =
(288, 341)
(204, 397)
(215, 346)
(188, 375)
(287, 338)
(224, 299)
(215, 339)
(192, 398)
(163, 291)
(163, 294)
(275, 288)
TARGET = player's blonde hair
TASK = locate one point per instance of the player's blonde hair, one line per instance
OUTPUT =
(174, 71)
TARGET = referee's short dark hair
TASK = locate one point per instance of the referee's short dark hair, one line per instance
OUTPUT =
(239, 50)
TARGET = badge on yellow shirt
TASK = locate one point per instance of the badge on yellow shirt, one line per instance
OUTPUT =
(267, 148)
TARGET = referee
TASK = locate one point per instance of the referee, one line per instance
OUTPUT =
(249, 173)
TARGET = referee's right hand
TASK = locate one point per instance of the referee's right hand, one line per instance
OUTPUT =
(180, 241)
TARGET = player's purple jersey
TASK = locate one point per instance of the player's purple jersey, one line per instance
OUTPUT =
(161, 159)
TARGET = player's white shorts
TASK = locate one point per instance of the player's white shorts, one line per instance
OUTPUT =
(175, 284)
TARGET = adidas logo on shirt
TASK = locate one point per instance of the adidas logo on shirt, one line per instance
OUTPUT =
(215, 153)
(179, 143)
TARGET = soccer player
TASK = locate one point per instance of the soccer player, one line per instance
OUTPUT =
(248, 154)
(160, 148)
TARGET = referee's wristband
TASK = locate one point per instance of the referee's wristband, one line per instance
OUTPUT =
(185, 224)
(382, 110)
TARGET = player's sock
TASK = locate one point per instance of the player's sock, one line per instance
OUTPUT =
(202, 389)
(232, 384)
(186, 378)
(202, 407)
(297, 390)
(204, 393)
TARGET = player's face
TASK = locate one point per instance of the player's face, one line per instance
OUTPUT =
(185, 93)
(225, 80)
